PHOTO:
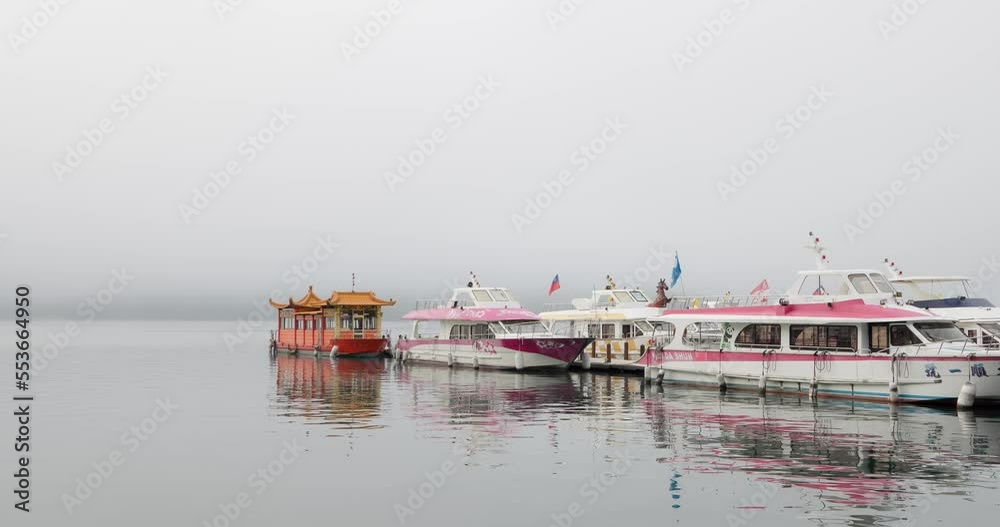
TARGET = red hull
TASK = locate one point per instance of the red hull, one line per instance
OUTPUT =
(345, 347)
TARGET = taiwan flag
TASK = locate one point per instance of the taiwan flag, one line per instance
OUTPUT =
(555, 285)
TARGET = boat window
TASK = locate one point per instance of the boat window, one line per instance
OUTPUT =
(991, 327)
(882, 284)
(705, 335)
(499, 295)
(760, 335)
(829, 338)
(820, 285)
(623, 297)
(331, 322)
(664, 331)
(643, 327)
(878, 337)
(639, 297)
(460, 332)
(628, 331)
(934, 289)
(940, 331)
(900, 335)
(345, 321)
(605, 299)
(482, 295)
(482, 331)
(862, 284)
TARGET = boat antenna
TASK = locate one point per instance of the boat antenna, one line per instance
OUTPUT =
(354, 279)
(891, 266)
(822, 262)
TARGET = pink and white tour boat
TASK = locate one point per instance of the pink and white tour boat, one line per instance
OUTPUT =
(485, 327)
(851, 341)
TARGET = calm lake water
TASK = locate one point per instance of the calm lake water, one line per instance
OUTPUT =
(308, 441)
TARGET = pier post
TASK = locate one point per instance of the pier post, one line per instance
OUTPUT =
(593, 349)
(607, 353)
(626, 350)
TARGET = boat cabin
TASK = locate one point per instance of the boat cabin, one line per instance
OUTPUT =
(312, 321)
(954, 297)
(850, 327)
(827, 285)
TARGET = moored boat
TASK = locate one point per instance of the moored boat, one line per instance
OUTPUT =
(953, 297)
(485, 327)
(617, 319)
(845, 348)
(347, 323)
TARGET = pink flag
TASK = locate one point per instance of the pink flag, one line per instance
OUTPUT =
(762, 287)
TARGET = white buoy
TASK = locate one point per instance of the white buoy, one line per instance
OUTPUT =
(451, 359)
(660, 374)
(518, 361)
(585, 359)
(722, 382)
(893, 391)
(475, 362)
(333, 351)
(967, 397)
(762, 385)
(647, 374)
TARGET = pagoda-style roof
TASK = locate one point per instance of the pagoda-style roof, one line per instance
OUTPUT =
(337, 298)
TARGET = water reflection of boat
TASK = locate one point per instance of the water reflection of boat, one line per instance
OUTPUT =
(851, 454)
(343, 392)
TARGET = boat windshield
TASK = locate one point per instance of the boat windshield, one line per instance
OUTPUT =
(882, 284)
(526, 328)
(940, 331)
(934, 289)
(639, 297)
(992, 328)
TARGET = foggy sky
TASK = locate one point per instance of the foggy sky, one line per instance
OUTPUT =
(654, 188)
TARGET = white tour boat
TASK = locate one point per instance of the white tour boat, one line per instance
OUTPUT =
(846, 348)
(486, 327)
(952, 297)
(619, 320)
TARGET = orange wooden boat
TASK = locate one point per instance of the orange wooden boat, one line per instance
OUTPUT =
(348, 323)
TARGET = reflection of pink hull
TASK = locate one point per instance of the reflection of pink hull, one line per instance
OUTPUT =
(920, 378)
(553, 352)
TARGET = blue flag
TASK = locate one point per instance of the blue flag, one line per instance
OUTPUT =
(676, 275)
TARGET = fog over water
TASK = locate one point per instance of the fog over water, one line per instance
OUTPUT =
(820, 103)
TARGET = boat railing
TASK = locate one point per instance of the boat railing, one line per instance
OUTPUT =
(693, 302)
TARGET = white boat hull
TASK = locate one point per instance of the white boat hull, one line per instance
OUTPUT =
(918, 378)
(516, 354)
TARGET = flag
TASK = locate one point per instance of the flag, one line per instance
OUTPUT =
(555, 285)
(761, 288)
(676, 274)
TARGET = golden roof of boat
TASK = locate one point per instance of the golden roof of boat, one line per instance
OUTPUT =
(337, 298)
